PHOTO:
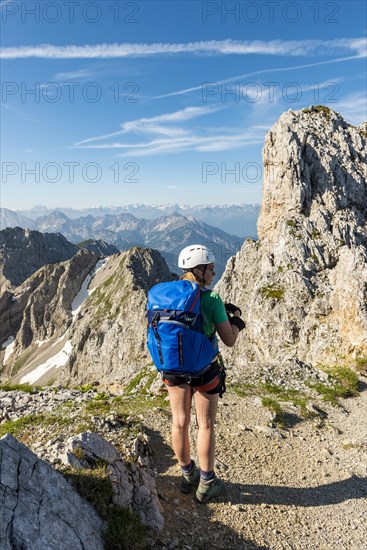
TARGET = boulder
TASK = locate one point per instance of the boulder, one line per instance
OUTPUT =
(39, 508)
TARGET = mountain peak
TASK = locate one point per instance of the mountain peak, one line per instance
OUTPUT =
(303, 283)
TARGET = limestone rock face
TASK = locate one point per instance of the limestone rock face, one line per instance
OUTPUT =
(39, 508)
(302, 286)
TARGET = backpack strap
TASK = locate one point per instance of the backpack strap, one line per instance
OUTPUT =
(154, 323)
(195, 299)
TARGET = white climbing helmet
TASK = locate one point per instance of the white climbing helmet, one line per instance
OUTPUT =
(193, 255)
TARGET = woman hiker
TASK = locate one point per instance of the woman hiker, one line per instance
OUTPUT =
(198, 265)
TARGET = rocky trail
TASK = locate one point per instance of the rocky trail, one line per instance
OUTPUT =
(304, 487)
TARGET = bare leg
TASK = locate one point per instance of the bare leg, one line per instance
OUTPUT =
(206, 409)
(180, 401)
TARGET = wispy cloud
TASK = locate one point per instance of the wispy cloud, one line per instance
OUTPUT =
(160, 124)
(255, 73)
(190, 142)
(80, 74)
(166, 137)
(292, 48)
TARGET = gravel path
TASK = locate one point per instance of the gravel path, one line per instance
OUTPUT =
(300, 488)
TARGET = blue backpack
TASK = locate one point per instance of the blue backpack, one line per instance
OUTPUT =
(176, 339)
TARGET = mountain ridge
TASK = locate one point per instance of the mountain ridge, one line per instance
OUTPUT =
(236, 219)
(168, 234)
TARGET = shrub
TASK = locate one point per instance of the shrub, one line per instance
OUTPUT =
(272, 291)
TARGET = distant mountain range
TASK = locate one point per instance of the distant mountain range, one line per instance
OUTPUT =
(235, 219)
(167, 233)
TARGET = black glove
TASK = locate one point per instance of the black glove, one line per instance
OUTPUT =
(237, 322)
(231, 308)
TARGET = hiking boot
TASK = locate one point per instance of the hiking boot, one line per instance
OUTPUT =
(209, 489)
(190, 481)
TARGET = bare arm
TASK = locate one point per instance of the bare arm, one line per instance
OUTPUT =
(228, 333)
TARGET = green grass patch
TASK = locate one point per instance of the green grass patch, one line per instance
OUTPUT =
(343, 384)
(296, 397)
(124, 529)
(98, 406)
(139, 404)
(102, 395)
(291, 223)
(244, 390)
(273, 291)
(269, 391)
(27, 423)
(134, 383)
(108, 282)
(19, 387)
(17, 427)
(84, 388)
(94, 485)
(361, 364)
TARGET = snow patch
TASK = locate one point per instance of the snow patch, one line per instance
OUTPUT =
(57, 361)
(84, 292)
(9, 348)
(60, 339)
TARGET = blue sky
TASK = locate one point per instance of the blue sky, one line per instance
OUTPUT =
(114, 102)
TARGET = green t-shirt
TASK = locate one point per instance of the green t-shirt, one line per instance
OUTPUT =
(213, 310)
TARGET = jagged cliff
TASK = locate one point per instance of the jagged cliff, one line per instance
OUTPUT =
(303, 285)
(81, 320)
